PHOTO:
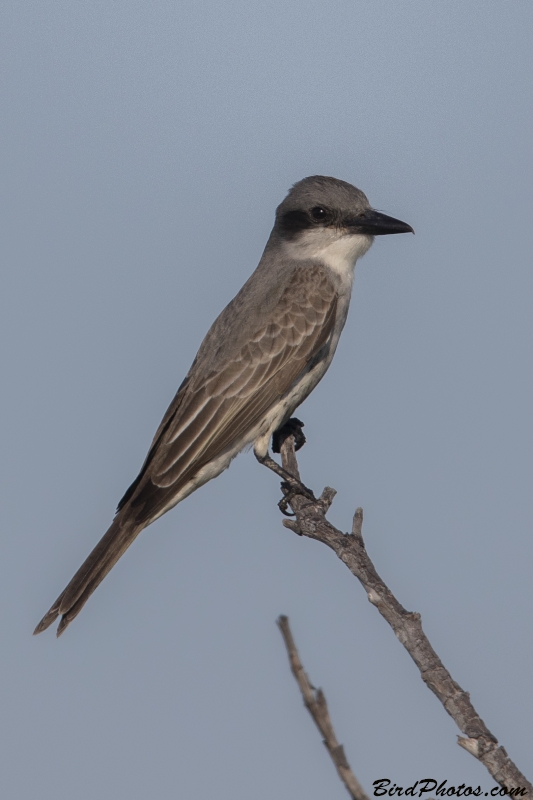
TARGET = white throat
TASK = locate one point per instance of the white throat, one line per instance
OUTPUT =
(338, 252)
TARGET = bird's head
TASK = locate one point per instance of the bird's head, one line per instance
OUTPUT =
(320, 212)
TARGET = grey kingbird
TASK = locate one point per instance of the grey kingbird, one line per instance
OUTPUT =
(262, 356)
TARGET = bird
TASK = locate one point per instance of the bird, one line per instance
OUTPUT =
(263, 355)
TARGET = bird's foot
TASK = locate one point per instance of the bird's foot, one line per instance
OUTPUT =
(289, 493)
(293, 427)
(290, 485)
(292, 488)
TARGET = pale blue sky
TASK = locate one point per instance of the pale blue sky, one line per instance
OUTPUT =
(144, 149)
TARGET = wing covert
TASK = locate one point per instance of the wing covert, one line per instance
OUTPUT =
(227, 402)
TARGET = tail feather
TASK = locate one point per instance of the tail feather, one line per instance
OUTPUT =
(89, 576)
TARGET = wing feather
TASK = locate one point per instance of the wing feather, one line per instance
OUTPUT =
(230, 401)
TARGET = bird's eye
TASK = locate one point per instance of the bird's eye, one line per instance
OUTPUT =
(319, 214)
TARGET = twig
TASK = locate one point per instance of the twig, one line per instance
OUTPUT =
(315, 702)
(310, 520)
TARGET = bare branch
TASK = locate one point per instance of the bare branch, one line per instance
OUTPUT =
(315, 702)
(310, 520)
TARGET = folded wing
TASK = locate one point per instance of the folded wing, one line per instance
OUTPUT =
(228, 402)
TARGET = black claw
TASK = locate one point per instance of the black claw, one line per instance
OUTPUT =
(283, 506)
(293, 427)
(288, 493)
(292, 489)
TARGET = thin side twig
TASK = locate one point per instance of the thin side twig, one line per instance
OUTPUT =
(310, 520)
(315, 702)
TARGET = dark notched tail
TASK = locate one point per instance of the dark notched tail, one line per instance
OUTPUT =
(91, 573)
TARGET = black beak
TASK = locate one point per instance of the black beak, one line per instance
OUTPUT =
(374, 223)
